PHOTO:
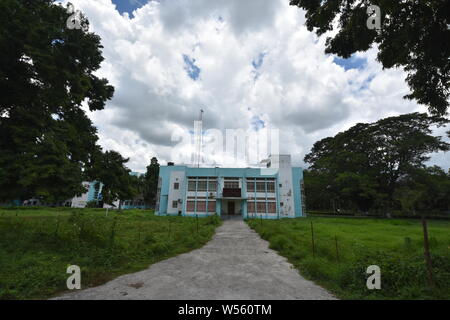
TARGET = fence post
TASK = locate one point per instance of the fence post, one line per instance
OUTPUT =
(113, 232)
(312, 238)
(427, 254)
(196, 217)
(57, 226)
(170, 221)
(337, 250)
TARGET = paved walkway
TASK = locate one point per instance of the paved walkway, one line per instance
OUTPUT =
(235, 264)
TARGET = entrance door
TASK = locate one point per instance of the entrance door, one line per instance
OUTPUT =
(230, 207)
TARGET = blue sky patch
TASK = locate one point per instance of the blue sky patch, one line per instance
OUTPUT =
(259, 61)
(192, 70)
(257, 123)
(365, 84)
(128, 5)
(351, 63)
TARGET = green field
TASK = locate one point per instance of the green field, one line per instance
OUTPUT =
(396, 246)
(37, 245)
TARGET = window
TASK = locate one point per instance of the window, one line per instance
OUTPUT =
(191, 185)
(250, 186)
(260, 186)
(174, 204)
(271, 207)
(190, 206)
(212, 186)
(250, 207)
(271, 187)
(201, 186)
(231, 184)
(211, 206)
(201, 206)
(176, 185)
(261, 207)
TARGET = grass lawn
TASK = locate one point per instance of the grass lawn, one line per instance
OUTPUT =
(37, 245)
(396, 246)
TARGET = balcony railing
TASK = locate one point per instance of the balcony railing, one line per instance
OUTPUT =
(231, 192)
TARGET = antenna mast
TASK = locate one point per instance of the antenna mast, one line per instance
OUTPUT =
(200, 138)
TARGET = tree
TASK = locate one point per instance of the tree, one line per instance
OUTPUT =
(109, 168)
(129, 189)
(373, 157)
(383, 162)
(318, 196)
(358, 189)
(426, 189)
(46, 73)
(151, 181)
(412, 36)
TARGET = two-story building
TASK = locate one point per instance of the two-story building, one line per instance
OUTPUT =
(270, 193)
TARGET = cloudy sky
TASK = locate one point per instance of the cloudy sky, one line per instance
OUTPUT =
(249, 65)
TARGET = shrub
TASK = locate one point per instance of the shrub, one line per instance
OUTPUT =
(403, 277)
(92, 204)
(278, 242)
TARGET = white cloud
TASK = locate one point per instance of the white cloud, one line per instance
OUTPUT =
(298, 88)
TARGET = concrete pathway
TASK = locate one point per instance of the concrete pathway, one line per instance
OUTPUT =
(235, 264)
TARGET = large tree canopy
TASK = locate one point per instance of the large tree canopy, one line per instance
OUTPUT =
(425, 189)
(46, 72)
(414, 35)
(366, 162)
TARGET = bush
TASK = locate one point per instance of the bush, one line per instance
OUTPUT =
(92, 204)
(402, 277)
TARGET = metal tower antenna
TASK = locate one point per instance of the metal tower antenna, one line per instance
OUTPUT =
(200, 139)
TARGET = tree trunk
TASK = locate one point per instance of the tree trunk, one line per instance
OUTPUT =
(426, 247)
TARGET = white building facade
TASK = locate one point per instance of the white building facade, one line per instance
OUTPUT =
(270, 193)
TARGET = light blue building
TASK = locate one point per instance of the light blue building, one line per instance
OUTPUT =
(270, 193)
(94, 194)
